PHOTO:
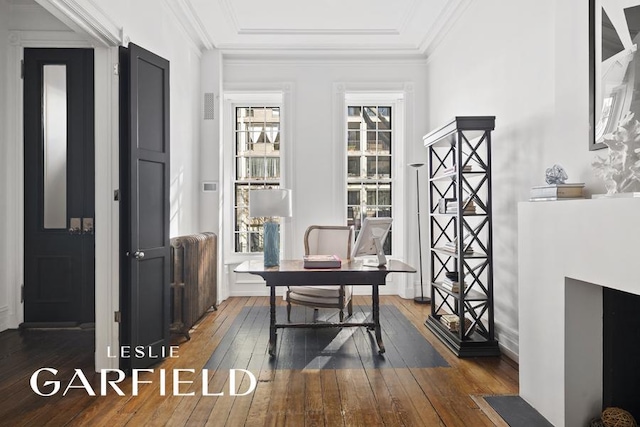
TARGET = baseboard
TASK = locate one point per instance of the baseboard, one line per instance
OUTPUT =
(508, 341)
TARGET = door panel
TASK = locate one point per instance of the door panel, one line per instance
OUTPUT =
(59, 185)
(144, 202)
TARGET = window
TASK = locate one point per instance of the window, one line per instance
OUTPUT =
(257, 165)
(369, 163)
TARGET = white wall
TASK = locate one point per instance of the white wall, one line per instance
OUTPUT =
(317, 150)
(211, 82)
(527, 64)
(152, 25)
(5, 246)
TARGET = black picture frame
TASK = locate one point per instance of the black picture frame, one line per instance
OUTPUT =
(614, 70)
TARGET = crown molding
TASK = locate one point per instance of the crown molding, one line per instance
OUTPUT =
(85, 17)
(328, 50)
(187, 17)
(445, 21)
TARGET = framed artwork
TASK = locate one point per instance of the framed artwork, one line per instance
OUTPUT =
(614, 77)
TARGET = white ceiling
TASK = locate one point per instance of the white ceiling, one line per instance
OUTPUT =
(394, 27)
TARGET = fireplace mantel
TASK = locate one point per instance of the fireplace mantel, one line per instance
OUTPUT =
(564, 248)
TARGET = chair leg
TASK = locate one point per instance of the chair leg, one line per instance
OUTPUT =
(350, 307)
(288, 310)
(341, 315)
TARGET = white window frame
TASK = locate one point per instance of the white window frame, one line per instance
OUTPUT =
(395, 100)
(232, 100)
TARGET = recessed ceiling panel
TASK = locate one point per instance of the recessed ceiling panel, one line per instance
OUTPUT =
(306, 27)
(327, 15)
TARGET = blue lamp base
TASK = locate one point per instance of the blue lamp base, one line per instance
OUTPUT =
(271, 244)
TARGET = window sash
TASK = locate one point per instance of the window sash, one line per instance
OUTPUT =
(257, 165)
(369, 137)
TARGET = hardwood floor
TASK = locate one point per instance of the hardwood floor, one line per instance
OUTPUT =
(441, 396)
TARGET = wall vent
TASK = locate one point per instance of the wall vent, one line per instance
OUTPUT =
(209, 103)
(209, 186)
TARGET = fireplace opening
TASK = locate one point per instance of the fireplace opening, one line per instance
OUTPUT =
(621, 351)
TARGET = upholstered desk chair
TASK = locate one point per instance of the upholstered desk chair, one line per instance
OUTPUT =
(324, 240)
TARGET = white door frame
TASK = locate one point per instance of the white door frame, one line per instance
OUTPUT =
(104, 38)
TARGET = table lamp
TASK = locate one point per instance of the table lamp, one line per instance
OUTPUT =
(270, 203)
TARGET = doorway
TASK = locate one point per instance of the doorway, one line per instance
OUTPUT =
(59, 187)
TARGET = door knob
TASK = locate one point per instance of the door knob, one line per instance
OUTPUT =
(87, 225)
(74, 226)
(138, 254)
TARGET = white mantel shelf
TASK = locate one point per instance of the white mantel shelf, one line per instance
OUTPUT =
(564, 249)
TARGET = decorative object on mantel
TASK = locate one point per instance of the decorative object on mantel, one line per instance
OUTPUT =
(620, 170)
(557, 187)
(556, 175)
(616, 417)
(557, 192)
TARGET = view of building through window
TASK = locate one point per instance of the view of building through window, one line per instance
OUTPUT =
(257, 165)
(369, 185)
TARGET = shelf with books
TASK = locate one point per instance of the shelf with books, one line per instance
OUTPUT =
(461, 235)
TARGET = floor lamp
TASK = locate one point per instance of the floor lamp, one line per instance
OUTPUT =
(421, 299)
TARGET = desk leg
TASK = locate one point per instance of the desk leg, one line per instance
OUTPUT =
(376, 319)
(272, 322)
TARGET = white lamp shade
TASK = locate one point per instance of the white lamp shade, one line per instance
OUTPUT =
(270, 202)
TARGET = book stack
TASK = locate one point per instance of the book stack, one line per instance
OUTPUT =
(557, 192)
(452, 322)
(452, 283)
(451, 206)
(453, 247)
(321, 261)
(453, 169)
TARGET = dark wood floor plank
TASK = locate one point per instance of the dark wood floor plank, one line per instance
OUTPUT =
(358, 387)
(313, 405)
(331, 398)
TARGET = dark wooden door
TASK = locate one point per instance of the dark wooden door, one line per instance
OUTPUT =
(59, 186)
(144, 219)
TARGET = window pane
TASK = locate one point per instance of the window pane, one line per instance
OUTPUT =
(371, 196)
(54, 115)
(242, 142)
(255, 242)
(384, 167)
(372, 142)
(384, 117)
(242, 118)
(354, 112)
(371, 166)
(353, 167)
(384, 194)
(353, 197)
(370, 117)
(353, 141)
(242, 219)
(384, 142)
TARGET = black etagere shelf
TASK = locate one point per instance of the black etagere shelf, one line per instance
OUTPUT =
(461, 251)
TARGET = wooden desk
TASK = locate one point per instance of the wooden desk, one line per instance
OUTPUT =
(291, 273)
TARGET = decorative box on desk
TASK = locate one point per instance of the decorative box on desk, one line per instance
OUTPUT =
(459, 161)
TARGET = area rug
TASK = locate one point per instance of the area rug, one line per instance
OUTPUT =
(516, 412)
(244, 345)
